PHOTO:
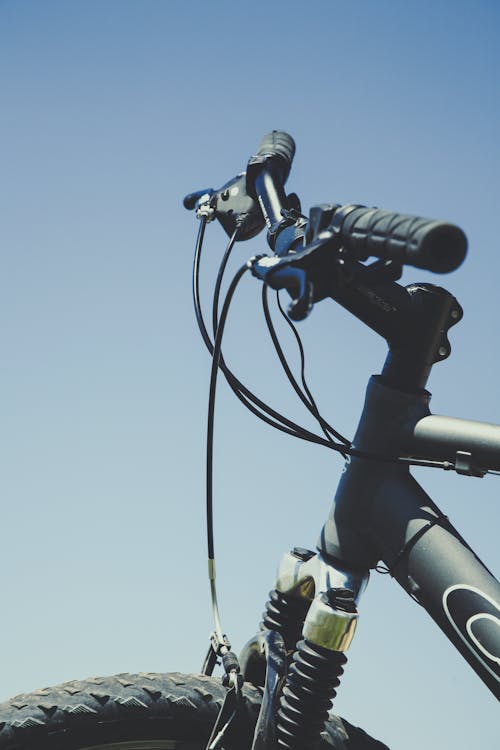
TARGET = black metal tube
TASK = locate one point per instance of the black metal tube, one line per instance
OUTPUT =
(267, 173)
(271, 197)
(442, 437)
(380, 512)
(433, 563)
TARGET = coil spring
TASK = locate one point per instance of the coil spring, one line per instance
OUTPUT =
(285, 614)
(308, 695)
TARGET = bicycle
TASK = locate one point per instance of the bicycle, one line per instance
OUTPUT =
(279, 691)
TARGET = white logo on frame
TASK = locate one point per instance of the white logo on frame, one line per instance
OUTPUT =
(471, 621)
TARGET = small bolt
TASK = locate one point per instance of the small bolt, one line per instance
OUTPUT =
(455, 314)
(442, 351)
(302, 554)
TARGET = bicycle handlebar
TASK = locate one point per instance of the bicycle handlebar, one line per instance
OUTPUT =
(425, 243)
(362, 232)
(279, 147)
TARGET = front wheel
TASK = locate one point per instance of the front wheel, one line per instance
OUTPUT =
(143, 711)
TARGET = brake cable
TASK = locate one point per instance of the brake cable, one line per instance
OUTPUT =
(326, 426)
(218, 282)
(264, 412)
(305, 395)
(216, 357)
(249, 399)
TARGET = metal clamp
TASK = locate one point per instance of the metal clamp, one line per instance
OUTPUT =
(465, 466)
(216, 648)
(206, 208)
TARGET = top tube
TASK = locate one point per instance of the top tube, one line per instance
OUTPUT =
(449, 439)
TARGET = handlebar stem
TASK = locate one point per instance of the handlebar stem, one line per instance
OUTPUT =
(414, 320)
(423, 340)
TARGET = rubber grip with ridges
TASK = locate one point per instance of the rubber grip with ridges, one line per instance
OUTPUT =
(434, 245)
(278, 143)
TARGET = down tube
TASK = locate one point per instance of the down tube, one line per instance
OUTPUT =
(441, 571)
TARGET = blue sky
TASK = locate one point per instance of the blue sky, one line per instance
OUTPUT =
(112, 111)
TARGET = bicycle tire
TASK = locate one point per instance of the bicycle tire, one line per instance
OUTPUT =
(145, 711)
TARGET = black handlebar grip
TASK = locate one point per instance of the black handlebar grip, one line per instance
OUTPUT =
(434, 245)
(280, 145)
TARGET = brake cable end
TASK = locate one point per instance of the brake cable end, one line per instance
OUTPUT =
(192, 199)
(206, 207)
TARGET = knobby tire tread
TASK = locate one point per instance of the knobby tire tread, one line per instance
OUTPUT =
(145, 706)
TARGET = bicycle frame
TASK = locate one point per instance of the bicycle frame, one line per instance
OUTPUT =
(380, 512)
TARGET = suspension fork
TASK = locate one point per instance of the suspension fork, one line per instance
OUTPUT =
(299, 654)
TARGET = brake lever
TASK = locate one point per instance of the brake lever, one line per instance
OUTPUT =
(301, 273)
(280, 273)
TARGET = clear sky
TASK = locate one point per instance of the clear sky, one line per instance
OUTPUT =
(110, 111)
